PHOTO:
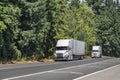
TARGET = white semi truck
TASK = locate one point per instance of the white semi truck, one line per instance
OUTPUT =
(69, 49)
(96, 52)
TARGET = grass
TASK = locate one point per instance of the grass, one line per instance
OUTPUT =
(46, 60)
(25, 60)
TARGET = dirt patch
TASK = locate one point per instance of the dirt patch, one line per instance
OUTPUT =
(28, 61)
(47, 60)
(24, 62)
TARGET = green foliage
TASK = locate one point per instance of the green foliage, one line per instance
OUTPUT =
(34, 26)
(30, 28)
(10, 19)
(96, 5)
(14, 53)
(78, 23)
(108, 25)
(2, 26)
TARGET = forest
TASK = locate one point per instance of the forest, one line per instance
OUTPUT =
(29, 29)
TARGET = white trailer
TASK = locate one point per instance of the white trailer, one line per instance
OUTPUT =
(96, 52)
(69, 49)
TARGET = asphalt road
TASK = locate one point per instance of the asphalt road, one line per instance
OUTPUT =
(112, 73)
(65, 70)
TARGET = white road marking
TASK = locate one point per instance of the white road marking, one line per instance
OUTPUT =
(3, 68)
(7, 68)
(68, 72)
(96, 72)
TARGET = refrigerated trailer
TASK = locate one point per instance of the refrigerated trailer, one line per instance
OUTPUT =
(69, 49)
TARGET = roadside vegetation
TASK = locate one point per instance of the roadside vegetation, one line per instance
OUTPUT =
(29, 29)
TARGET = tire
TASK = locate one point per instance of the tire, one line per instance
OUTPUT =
(81, 57)
(100, 56)
(55, 60)
(70, 58)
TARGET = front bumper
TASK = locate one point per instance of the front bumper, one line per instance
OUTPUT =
(95, 56)
(60, 58)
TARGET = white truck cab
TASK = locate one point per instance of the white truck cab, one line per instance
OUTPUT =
(96, 52)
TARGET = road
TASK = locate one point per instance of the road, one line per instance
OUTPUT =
(112, 73)
(65, 70)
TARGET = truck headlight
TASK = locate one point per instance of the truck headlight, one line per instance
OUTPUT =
(55, 55)
(66, 54)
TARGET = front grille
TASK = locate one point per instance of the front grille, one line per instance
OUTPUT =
(59, 55)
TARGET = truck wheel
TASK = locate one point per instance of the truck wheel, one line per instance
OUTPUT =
(100, 56)
(81, 57)
(55, 60)
(71, 58)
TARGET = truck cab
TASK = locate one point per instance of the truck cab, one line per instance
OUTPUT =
(63, 50)
(96, 52)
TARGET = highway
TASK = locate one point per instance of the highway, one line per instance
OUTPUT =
(63, 70)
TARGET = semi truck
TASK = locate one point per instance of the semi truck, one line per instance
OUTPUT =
(96, 52)
(69, 49)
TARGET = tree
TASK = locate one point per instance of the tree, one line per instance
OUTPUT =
(78, 24)
(96, 5)
(32, 29)
(107, 23)
(9, 18)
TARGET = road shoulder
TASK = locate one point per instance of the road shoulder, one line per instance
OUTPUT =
(112, 73)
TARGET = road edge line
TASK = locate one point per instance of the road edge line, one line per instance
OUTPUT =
(96, 72)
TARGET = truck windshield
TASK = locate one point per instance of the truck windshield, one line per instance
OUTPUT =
(61, 48)
(94, 50)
